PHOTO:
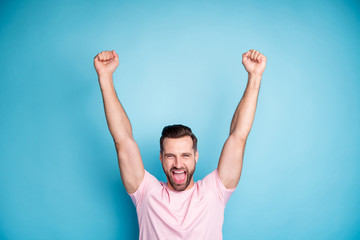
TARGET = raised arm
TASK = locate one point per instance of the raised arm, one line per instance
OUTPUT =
(231, 158)
(129, 159)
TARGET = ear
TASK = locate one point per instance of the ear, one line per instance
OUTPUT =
(196, 156)
(160, 157)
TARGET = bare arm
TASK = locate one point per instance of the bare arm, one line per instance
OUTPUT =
(129, 159)
(231, 158)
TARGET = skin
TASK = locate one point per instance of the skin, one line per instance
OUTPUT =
(178, 154)
(131, 166)
(130, 163)
(231, 158)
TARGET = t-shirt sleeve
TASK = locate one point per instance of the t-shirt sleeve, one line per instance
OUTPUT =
(214, 182)
(147, 183)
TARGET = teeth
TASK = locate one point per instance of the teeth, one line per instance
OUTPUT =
(179, 171)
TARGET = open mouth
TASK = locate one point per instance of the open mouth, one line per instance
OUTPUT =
(179, 176)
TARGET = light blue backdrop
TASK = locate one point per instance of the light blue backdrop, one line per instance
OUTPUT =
(180, 62)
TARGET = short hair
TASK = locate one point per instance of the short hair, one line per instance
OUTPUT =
(177, 131)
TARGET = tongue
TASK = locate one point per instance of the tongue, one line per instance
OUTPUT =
(179, 177)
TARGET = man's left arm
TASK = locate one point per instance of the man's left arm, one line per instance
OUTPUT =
(231, 158)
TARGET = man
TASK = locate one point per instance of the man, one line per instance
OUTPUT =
(180, 208)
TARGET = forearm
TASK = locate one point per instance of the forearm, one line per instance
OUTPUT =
(245, 112)
(117, 120)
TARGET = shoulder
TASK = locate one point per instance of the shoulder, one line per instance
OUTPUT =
(213, 183)
(212, 178)
(148, 184)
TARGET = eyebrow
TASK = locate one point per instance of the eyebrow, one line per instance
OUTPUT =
(171, 154)
(186, 153)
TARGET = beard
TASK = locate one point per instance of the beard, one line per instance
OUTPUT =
(183, 186)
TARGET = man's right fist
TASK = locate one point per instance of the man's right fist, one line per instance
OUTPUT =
(106, 62)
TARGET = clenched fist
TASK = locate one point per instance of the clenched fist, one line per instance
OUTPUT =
(254, 62)
(106, 63)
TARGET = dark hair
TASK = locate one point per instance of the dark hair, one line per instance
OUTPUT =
(177, 131)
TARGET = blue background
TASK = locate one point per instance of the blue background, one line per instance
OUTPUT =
(180, 62)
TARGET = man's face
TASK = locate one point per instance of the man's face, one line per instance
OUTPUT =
(178, 160)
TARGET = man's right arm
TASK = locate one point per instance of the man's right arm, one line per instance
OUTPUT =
(131, 166)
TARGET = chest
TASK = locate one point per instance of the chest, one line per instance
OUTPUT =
(182, 210)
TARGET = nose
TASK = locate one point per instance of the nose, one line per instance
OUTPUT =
(178, 163)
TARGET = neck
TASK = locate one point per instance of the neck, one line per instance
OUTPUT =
(191, 184)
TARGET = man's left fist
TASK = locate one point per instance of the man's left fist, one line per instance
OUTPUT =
(254, 62)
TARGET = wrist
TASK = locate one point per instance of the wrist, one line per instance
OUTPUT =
(254, 80)
(255, 76)
(104, 76)
(105, 81)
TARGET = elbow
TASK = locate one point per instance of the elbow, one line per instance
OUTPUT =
(121, 142)
(240, 136)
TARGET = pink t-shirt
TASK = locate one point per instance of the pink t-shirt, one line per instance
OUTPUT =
(197, 213)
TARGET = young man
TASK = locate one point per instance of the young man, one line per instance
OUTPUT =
(180, 208)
